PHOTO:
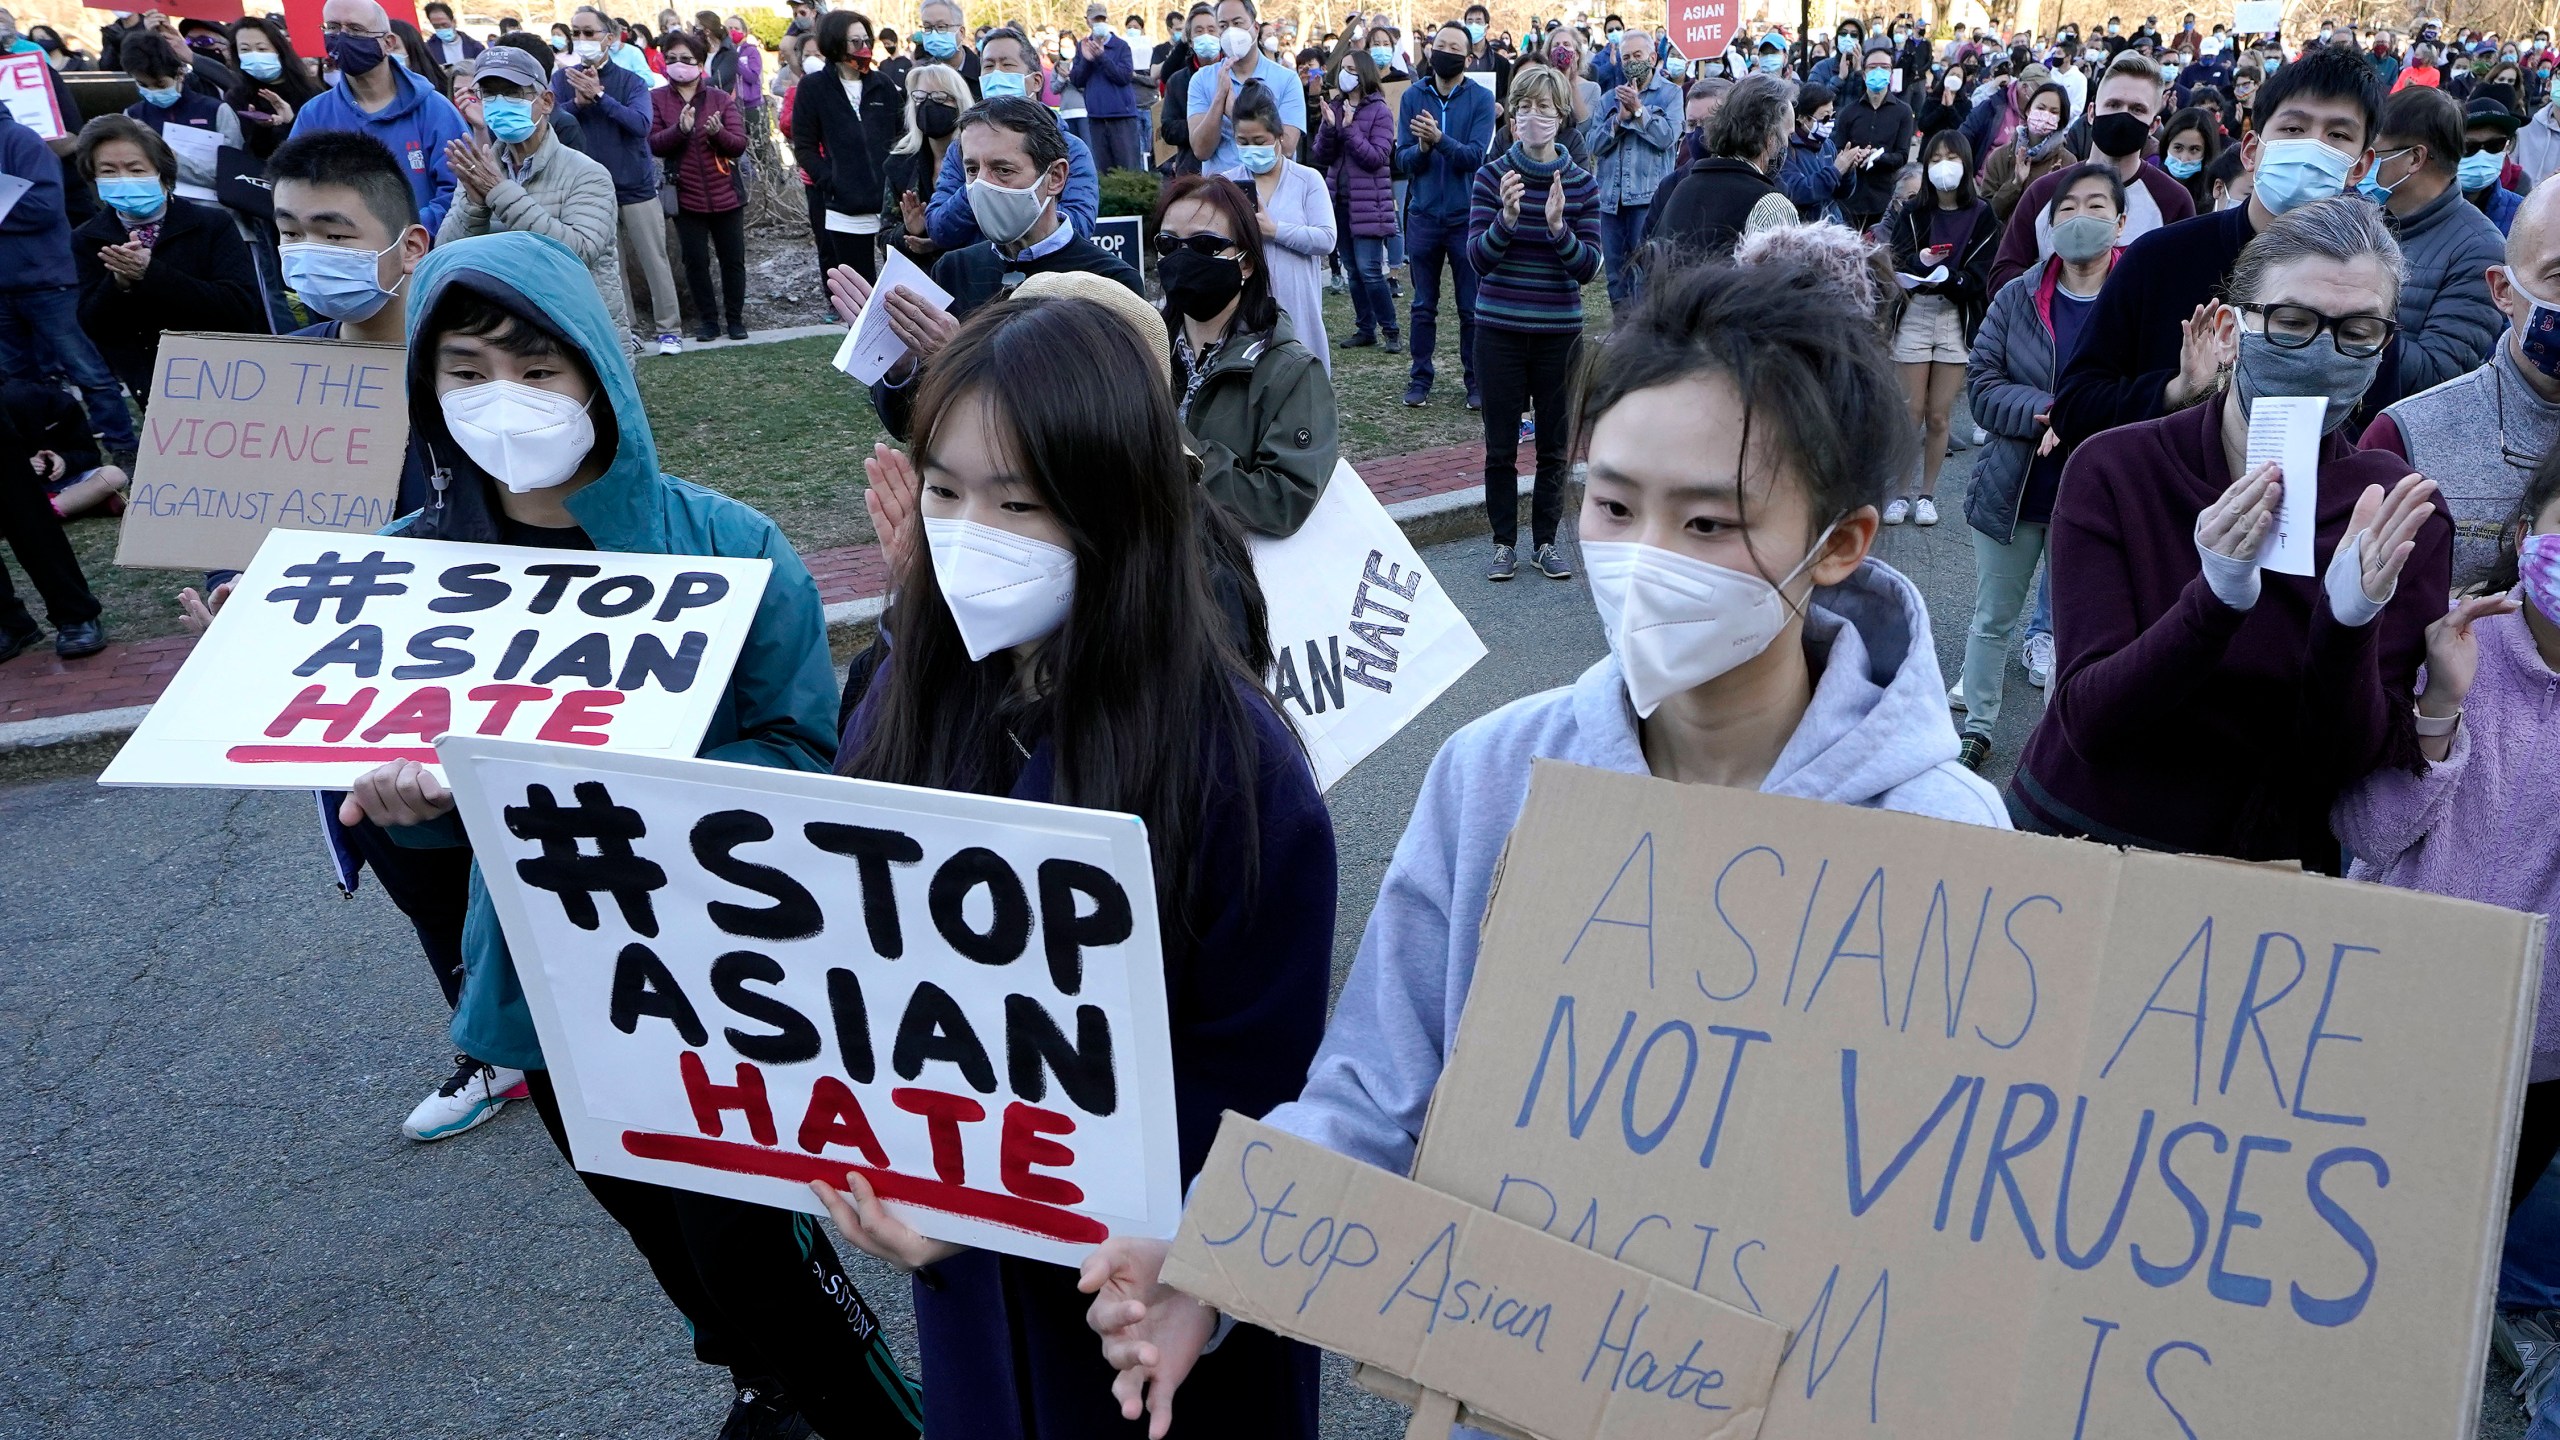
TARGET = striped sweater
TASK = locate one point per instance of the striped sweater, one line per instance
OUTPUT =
(1526, 278)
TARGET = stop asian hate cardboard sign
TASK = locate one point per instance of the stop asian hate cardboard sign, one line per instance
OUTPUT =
(337, 654)
(745, 979)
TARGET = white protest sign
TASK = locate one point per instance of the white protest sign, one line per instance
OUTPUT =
(247, 433)
(337, 653)
(1363, 635)
(1531, 1331)
(2257, 17)
(746, 979)
(2025, 1138)
(26, 89)
(870, 347)
(2286, 429)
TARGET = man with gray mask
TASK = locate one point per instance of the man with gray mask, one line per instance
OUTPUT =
(2441, 433)
(1015, 158)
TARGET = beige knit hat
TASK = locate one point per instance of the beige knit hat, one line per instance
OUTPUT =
(1117, 298)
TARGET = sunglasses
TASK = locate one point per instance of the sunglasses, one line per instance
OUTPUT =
(1205, 243)
(2497, 146)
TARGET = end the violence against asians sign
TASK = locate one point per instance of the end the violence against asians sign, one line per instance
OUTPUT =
(746, 979)
(2020, 1137)
(339, 653)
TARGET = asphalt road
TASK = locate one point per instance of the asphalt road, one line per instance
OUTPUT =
(218, 1231)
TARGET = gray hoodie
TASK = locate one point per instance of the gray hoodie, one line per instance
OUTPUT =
(1876, 734)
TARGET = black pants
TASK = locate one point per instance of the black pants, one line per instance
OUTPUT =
(1519, 369)
(2537, 1139)
(432, 888)
(837, 248)
(765, 1296)
(35, 535)
(726, 229)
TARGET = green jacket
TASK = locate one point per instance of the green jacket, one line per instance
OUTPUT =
(1266, 431)
(783, 691)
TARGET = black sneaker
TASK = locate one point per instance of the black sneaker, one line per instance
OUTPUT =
(1361, 341)
(1551, 563)
(1974, 751)
(14, 643)
(1417, 394)
(737, 332)
(2520, 1338)
(74, 641)
(1474, 401)
(1393, 344)
(706, 335)
(762, 1415)
(1505, 564)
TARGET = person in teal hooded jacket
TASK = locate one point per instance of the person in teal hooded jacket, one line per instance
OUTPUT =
(761, 1288)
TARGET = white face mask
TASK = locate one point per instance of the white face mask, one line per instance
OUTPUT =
(1003, 589)
(587, 51)
(527, 439)
(1946, 174)
(1236, 42)
(1676, 623)
(812, 64)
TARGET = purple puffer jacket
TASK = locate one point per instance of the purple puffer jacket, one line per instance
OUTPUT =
(1357, 156)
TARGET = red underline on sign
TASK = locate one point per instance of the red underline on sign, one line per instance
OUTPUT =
(1010, 1211)
(297, 754)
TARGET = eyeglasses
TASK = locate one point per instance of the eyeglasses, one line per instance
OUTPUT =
(341, 27)
(1205, 243)
(2290, 327)
(2493, 147)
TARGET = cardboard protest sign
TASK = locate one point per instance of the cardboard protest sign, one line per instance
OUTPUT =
(1364, 636)
(26, 89)
(338, 653)
(248, 434)
(746, 979)
(2021, 1137)
(1531, 1331)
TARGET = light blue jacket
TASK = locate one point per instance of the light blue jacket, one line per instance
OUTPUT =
(780, 705)
(1632, 156)
(1876, 735)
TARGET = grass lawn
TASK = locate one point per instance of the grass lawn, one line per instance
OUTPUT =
(777, 427)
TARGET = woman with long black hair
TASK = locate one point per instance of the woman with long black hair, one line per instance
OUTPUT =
(273, 84)
(1055, 637)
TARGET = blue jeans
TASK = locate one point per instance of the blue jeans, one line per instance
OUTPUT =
(1373, 306)
(1395, 242)
(2040, 619)
(41, 339)
(1428, 242)
(1621, 236)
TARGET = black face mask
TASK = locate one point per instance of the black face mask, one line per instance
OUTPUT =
(2119, 134)
(935, 118)
(1198, 286)
(1447, 66)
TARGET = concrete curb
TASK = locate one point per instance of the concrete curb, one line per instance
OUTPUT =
(53, 746)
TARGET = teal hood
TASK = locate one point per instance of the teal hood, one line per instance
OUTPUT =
(780, 703)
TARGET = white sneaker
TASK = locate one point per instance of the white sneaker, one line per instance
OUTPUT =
(1981, 437)
(1896, 511)
(2039, 660)
(472, 1097)
(670, 344)
(1955, 696)
(1924, 511)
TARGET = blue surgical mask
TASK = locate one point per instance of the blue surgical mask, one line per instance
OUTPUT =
(1475, 33)
(1674, 67)
(1204, 48)
(2478, 172)
(560, 44)
(508, 117)
(1382, 56)
(1877, 80)
(2182, 169)
(2294, 173)
(338, 282)
(1259, 158)
(940, 44)
(2371, 186)
(2270, 64)
(261, 64)
(1772, 64)
(159, 98)
(1000, 82)
(445, 33)
(132, 198)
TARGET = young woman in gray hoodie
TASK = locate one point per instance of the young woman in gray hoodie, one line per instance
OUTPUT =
(1740, 443)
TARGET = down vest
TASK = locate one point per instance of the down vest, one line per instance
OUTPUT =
(1358, 154)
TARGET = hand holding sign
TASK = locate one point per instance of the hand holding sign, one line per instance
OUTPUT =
(876, 1230)
(403, 792)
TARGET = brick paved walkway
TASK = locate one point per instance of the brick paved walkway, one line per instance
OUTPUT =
(38, 686)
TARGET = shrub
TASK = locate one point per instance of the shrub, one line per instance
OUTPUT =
(1130, 192)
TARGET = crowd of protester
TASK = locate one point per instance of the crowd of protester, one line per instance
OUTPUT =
(1740, 294)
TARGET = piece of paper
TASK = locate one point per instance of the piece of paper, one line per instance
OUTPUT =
(1363, 634)
(196, 149)
(746, 979)
(338, 653)
(2257, 17)
(1482, 78)
(12, 189)
(871, 347)
(1531, 1332)
(246, 434)
(26, 88)
(2025, 1138)
(2286, 430)
(842, 224)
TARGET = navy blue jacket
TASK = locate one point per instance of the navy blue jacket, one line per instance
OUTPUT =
(1442, 179)
(35, 238)
(1109, 92)
(616, 125)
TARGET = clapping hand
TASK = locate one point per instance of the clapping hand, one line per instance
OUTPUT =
(891, 503)
(1555, 207)
(475, 167)
(2388, 526)
(2201, 355)
(1426, 130)
(1512, 188)
(2453, 653)
(126, 262)
(2237, 524)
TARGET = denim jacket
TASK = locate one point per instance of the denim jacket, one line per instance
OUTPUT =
(1630, 157)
